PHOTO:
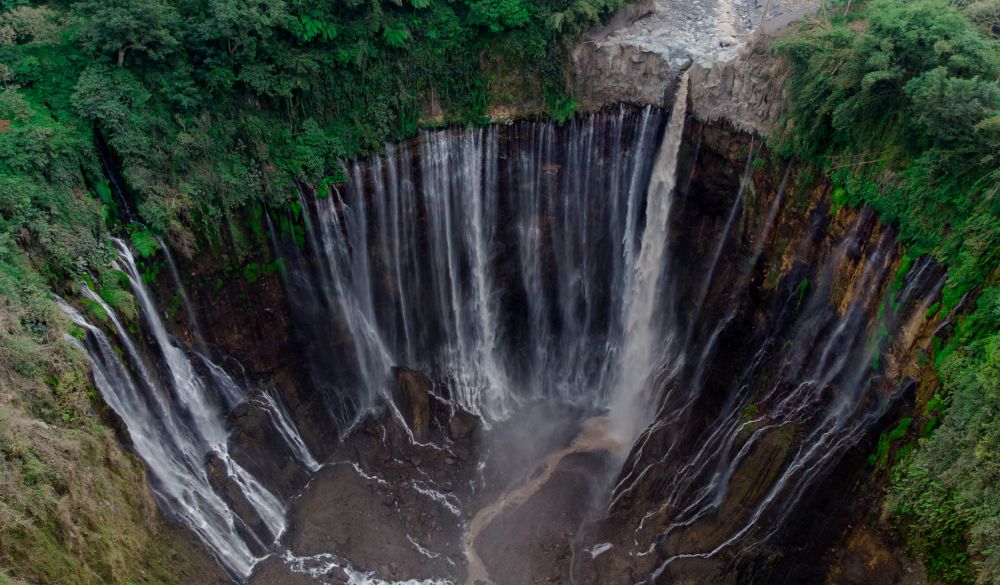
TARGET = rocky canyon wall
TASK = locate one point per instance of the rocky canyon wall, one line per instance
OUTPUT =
(800, 337)
(496, 261)
(788, 377)
(639, 56)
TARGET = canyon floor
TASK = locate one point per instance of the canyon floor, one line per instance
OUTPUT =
(504, 505)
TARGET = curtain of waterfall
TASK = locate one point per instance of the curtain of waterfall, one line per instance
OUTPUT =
(173, 402)
(536, 262)
(496, 258)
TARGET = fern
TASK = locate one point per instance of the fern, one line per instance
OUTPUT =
(395, 37)
(313, 27)
(145, 243)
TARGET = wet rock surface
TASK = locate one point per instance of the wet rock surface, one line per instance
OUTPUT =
(793, 262)
(411, 390)
(518, 548)
(388, 508)
(381, 507)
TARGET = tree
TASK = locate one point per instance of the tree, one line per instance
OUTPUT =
(28, 24)
(498, 15)
(983, 13)
(115, 27)
(241, 24)
(950, 109)
(116, 100)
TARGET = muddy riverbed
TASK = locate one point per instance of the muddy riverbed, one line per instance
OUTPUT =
(495, 506)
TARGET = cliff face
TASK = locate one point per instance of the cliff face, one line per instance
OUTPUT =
(837, 533)
(800, 329)
(746, 90)
(801, 287)
(638, 58)
(787, 380)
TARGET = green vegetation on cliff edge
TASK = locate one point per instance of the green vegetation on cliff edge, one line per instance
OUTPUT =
(899, 102)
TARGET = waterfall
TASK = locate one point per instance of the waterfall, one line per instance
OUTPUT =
(645, 342)
(285, 426)
(724, 237)
(833, 423)
(167, 446)
(493, 258)
(813, 374)
(173, 410)
(535, 261)
(190, 313)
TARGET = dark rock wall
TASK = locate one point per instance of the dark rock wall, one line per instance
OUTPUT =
(797, 286)
(785, 233)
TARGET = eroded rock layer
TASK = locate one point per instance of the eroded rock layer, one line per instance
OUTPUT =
(433, 333)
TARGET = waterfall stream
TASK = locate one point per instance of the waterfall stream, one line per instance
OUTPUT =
(497, 262)
(521, 264)
(173, 411)
(646, 342)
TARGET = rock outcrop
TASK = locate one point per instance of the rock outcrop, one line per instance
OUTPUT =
(411, 390)
(746, 90)
(638, 57)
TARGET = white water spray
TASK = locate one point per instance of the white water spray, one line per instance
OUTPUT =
(645, 342)
(175, 421)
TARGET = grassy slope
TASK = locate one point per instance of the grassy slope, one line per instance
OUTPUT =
(74, 507)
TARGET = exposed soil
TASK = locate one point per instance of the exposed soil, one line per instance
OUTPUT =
(536, 541)
(513, 530)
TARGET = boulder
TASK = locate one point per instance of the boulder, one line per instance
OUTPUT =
(338, 574)
(411, 391)
(462, 424)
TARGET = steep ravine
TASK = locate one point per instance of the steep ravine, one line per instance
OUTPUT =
(767, 283)
(579, 322)
(781, 369)
(396, 379)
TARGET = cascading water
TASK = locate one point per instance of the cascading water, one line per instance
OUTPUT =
(647, 343)
(809, 390)
(538, 271)
(524, 263)
(496, 259)
(173, 411)
(822, 386)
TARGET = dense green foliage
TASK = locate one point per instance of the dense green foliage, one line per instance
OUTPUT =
(209, 105)
(898, 100)
(946, 492)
